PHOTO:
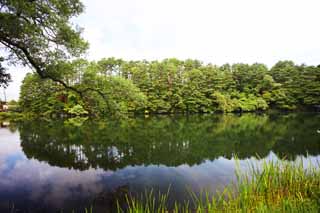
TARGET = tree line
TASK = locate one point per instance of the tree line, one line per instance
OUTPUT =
(171, 86)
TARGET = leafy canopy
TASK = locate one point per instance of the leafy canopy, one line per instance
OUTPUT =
(39, 34)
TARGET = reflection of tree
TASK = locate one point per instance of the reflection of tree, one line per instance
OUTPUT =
(169, 141)
(300, 137)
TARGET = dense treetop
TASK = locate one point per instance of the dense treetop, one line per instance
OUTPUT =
(39, 34)
(175, 86)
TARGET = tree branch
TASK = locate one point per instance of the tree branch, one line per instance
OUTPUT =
(43, 75)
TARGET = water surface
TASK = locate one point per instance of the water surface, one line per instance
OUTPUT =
(48, 166)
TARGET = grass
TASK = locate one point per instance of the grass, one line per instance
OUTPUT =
(279, 186)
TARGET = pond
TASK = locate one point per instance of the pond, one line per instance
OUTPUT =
(68, 165)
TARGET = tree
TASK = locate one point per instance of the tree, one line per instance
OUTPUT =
(5, 78)
(172, 85)
(38, 34)
(41, 96)
(282, 71)
(47, 97)
(308, 85)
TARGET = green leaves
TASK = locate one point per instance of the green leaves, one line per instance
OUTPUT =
(5, 77)
(114, 86)
(38, 33)
(76, 110)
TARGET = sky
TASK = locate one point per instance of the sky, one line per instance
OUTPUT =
(213, 31)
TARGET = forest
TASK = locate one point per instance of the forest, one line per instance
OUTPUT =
(42, 36)
(171, 86)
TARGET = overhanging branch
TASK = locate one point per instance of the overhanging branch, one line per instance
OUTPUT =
(41, 72)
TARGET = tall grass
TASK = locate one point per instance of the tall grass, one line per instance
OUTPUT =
(271, 187)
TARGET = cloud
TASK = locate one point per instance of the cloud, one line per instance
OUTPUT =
(212, 31)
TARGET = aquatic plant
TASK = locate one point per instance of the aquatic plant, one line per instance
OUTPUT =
(274, 186)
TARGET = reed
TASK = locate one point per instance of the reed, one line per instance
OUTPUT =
(275, 186)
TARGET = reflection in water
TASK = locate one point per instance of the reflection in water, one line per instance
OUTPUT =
(57, 165)
(168, 141)
(4, 124)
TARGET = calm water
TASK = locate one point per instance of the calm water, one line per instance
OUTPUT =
(47, 166)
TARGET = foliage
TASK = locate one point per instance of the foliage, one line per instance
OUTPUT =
(76, 121)
(40, 35)
(40, 32)
(77, 110)
(174, 86)
(5, 78)
(11, 116)
(271, 187)
(40, 96)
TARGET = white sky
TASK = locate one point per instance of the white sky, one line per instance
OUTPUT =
(216, 31)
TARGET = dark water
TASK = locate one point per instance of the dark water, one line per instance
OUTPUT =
(48, 166)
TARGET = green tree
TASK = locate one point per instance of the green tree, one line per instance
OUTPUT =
(282, 71)
(41, 97)
(39, 34)
(175, 86)
(308, 85)
(286, 95)
(5, 77)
